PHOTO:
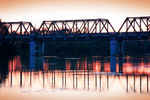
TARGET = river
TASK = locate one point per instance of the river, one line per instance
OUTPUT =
(77, 77)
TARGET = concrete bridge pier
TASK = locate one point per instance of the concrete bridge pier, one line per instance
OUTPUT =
(116, 48)
(120, 54)
(113, 53)
(120, 47)
(36, 48)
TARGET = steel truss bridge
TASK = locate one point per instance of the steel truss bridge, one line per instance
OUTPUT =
(86, 29)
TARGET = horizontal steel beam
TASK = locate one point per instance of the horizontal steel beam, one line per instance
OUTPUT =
(78, 20)
(16, 22)
(144, 17)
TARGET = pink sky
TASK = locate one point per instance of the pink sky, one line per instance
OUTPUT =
(38, 10)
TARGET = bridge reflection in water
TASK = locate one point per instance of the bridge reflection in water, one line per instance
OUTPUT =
(77, 74)
(79, 80)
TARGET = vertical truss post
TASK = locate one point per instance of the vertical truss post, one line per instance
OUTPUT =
(43, 31)
(21, 29)
(11, 28)
(76, 30)
(147, 25)
(140, 26)
(100, 27)
(30, 28)
(88, 29)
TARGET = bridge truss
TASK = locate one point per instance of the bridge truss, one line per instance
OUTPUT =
(135, 27)
(16, 30)
(75, 29)
(85, 29)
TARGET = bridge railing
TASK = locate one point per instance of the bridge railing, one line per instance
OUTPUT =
(75, 28)
(136, 25)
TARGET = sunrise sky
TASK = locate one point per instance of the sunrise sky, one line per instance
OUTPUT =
(38, 10)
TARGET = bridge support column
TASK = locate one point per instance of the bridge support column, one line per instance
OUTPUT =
(120, 54)
(121, 47)
(113, 48)
(116, 48)
(36, 48)
(36, 62)
(113, 53)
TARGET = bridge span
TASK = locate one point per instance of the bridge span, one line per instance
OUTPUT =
(86, 29)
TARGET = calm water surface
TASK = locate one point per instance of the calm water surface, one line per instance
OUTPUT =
(56, 77)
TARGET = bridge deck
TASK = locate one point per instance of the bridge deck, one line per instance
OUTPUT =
(72, 36)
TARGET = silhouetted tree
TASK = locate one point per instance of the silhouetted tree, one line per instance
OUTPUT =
(3, 28)
(0, 27)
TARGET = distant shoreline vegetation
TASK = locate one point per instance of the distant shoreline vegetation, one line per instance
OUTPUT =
(101, 47)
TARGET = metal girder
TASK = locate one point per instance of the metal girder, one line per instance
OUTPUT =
(75, 27)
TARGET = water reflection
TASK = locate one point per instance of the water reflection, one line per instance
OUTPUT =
(3, 70)
(82, 73)
(77, 80)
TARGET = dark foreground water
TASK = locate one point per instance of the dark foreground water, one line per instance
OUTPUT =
(71, 78)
